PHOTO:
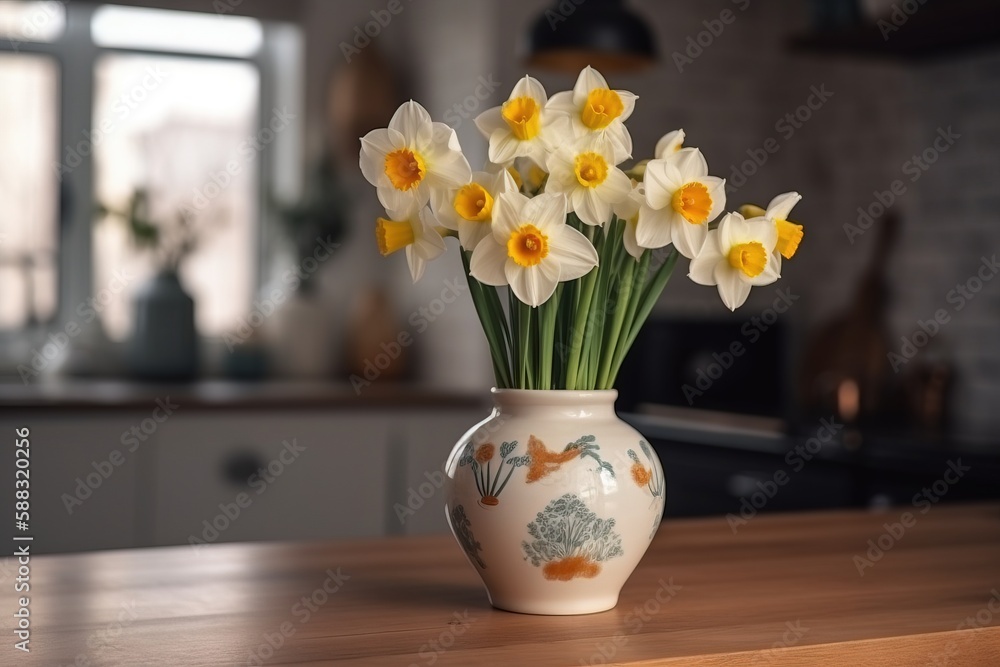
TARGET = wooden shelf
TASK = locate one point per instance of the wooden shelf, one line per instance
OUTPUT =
(934, 30)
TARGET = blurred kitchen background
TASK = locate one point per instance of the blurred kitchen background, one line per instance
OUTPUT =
(159, 155)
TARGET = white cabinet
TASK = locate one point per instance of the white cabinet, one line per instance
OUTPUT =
(224, 476)
(83, 479)
(423, 439)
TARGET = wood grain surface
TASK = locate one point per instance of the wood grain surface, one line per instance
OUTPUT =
(783, 590)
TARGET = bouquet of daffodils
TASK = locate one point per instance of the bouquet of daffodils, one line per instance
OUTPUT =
(556, 238)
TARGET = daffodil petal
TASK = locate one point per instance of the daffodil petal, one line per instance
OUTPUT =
(702, 269)
(413, 122)
(628, 102)
(620, 139)
(530, 87)
(416, 263)
(662, 179)
(589, 207)
(504, 146)
(732, 230)
(575, 254)
(669, 143)
(448, 169)
(490, 121)
(717, 192)
(546, 211)
(690, 163)
(763, 230)
(652, 230)
(533, 285)
(487, 263)
(782, 205)
(732, 288)
(562, 102)
(616, 188)
(382, 141)
(629, 241)
(688, 238)
(507, 217)
(393, 199)
(770, 274)
(374, 147)
(588, 80)
(471, 233)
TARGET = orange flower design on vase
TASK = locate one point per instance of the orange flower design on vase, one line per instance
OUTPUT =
(491, 483)
(545, 461)
(651, 478)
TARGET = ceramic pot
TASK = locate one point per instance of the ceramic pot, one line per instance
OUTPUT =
(164, 345)
(554, 500)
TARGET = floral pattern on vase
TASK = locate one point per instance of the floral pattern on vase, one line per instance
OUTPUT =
(571, 540)
(545, 461)
(651, 478)
(488, 483)
(462, 528)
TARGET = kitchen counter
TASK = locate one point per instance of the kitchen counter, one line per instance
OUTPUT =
(230, 395)
(784, 590)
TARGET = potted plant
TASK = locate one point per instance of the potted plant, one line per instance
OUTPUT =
(164, 342)
(554, 498)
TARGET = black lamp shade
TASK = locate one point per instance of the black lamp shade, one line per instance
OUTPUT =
(572, 34)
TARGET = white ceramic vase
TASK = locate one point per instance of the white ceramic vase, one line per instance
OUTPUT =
(554, 500)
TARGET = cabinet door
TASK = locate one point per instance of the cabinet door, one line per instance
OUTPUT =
(82, 475)
(230, 476)
(423, 441)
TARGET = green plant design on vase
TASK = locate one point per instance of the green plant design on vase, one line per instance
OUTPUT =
(463, 532)
(488, 483)
(651, 478)
(544, 461)
(571, 540)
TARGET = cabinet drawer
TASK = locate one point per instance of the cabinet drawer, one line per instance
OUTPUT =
(229, 476)
(82, 479)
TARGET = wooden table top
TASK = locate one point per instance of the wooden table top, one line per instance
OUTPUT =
(784, 590)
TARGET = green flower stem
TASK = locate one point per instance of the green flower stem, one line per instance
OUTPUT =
(527, 376)
(635, 293)
(587, 288)
(491, 327)
(546, 338)
(649, 296)
(617, 321)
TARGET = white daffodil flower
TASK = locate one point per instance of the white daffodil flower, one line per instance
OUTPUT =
(411, 228)
(585, 172)
(532, 249)
(737, 256)
(593, 107)
(522, 126)
(789, 233)
(681, 199)
(411, 157)
(669, 143)
(628, 211)
(469, 209)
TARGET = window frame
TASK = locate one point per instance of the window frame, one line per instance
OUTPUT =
(280, 67)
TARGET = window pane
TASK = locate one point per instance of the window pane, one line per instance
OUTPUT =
(31, 21)
(178, 129)
(176, 32)
(29, 189)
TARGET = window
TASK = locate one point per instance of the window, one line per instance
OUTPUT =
(29, 189)
(169, 127)
(185, 107)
